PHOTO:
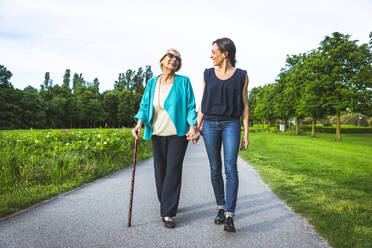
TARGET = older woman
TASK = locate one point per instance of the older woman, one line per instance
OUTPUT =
(225, 100)
(167, 111)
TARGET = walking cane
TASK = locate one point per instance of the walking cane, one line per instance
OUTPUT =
(132, 183)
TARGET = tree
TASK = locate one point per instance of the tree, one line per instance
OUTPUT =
(110, 107)
(252, 101)
(59, 106)
(130, 88)
(294, 87)
(120, 83)
(125, 81)
(56, 112)
(283, 106)
(72, 111)
(133, 80)
(126, 108)
(95, 85)
(264, 109)
(314, 100)
(9, 99)
(47, 81)
(5, 76)
(138, 81)
(66, 79)
(345, 70)
(90, 104)
(78, 82)
(93, 113)
(362, 80)
(148, 74)
(33, 109)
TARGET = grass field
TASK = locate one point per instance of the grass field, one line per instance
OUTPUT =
(327, 182)
(38, 164)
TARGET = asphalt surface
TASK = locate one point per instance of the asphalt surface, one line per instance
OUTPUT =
(96, 215)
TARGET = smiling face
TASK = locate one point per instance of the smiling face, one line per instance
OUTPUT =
(217, 56)
(171, 61)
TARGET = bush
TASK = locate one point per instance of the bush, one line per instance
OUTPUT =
(54, 156)
(257, 128)
(352, 119)
(369, 121)
(307, 120)
(37, 165)
(349, 119)
(327, 129)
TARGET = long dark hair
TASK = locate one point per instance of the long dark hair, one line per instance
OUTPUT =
(227, 45)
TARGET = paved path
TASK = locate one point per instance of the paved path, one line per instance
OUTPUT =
(96, 215)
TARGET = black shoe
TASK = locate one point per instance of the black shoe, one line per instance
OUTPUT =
(220, 218)
(169, 223)
(229, 225)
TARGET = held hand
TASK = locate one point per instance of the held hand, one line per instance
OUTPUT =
(199, 126)
(192, 135)
(136, 132)
(245, 143)
(196, 138)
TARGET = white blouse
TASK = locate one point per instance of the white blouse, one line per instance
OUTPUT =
(162, 125)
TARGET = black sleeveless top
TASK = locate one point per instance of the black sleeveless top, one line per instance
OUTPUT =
(223, 99)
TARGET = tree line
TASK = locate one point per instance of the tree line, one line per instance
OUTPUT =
(332, 79)
(76, 103)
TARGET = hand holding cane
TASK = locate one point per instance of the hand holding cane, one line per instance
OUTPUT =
(132, 181)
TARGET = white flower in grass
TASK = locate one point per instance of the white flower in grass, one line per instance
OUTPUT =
(99, 136)
(18, 140)
(67, 144)
(88, 139)
(47, 136)
(108, 139)
(97, 143)
(86, 147)
(36, 141)
(104, 143)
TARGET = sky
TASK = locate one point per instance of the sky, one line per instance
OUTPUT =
(101, 39)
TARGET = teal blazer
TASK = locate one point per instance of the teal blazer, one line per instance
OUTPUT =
(179, 104)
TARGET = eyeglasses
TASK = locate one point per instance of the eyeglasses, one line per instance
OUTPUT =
(172, 56)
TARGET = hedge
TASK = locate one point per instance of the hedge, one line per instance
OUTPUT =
(323, 129)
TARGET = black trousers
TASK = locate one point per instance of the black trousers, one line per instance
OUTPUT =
(168, 154)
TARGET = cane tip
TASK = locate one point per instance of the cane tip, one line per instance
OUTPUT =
(129, 225)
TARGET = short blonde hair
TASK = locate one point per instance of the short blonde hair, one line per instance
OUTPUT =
(179, 55)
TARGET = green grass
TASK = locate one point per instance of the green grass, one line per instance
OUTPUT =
(36, 165)
(327, 182)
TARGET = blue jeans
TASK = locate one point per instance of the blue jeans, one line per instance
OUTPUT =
(216, 133)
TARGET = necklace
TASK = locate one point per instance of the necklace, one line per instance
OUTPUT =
(160, 80)
(159, 106)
